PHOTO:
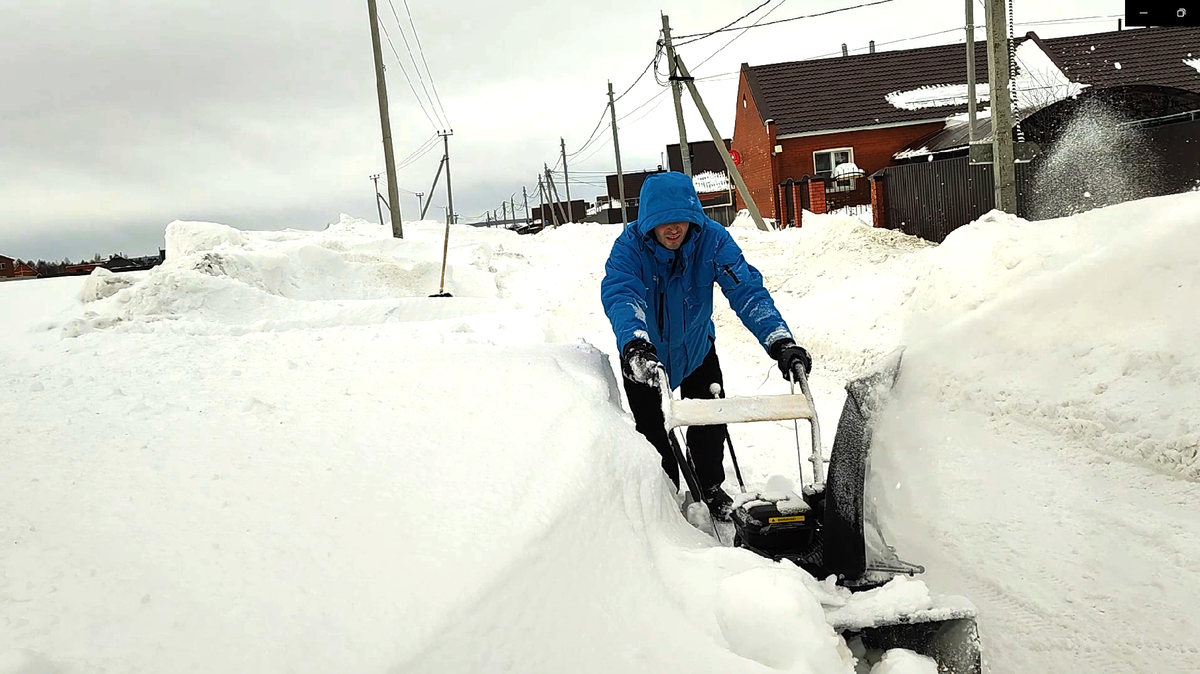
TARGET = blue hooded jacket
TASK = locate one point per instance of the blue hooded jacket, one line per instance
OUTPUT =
(665, 296)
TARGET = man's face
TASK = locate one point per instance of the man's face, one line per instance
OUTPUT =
(671, 234)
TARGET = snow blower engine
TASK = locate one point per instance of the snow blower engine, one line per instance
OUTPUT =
(824, 529)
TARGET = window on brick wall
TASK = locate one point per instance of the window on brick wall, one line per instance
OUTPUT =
(825, 161)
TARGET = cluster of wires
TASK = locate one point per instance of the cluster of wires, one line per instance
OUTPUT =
(430, 103)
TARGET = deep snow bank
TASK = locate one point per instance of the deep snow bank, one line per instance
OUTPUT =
(276, 444)
(1085, 326)
(219, 279)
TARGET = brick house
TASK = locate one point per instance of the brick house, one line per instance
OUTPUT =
(796, 122)
(802, 119)
(10, 268)
(1136, 95)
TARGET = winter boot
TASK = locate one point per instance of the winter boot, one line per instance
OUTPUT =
(719, 503)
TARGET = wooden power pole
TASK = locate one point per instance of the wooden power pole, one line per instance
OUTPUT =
(389, 158)
(677, 93)
(566, 178)
(612, 109)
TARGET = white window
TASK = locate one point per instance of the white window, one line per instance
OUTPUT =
(825, 161)
(3, 266)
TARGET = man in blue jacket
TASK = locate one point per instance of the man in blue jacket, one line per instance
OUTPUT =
(658, 294)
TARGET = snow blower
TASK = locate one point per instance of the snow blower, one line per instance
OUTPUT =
(825, 529)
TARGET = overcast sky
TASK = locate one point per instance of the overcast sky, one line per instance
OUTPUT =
(119, 117)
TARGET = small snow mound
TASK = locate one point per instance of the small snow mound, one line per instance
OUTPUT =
(743, 221)
(768, 615)
(185, 238)
(349, 225)
(904, 661)
(102, 283)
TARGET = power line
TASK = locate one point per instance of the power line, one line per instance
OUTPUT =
(735, 37)
(413, 59)
(592, 135)
(413, 158)
(660, 94)
(406, 77)
(421, 51)
(726, 26)
(653, 61)
(958, 29)
(422, 147)
(701, 36)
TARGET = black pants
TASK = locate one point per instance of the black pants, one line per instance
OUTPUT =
(707, 443)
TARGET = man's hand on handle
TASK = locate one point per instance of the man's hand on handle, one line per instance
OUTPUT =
(789, 355)
(639, 362)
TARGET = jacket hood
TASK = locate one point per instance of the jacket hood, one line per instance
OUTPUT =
(668, 197)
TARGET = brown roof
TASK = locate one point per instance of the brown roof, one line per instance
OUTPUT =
(850, 92)
(1147, 56)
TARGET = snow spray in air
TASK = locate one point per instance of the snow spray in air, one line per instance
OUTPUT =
(1093, 162)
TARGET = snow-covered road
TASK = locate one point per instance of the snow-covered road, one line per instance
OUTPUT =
(275, 453)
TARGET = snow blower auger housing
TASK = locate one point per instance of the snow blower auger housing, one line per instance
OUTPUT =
(824, 529)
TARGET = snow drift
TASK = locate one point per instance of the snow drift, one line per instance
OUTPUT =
(1079, 325)
(276, 443)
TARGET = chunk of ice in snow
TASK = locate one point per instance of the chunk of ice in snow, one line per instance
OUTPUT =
(904, 661)
(768, 615)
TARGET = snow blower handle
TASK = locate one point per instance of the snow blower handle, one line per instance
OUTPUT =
(817, 460)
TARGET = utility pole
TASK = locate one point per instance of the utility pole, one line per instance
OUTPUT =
(566, 179)
(1003, 168)
(389, 159)
(512, 208)
(525, 198)
(563, 216)
(375, 179)
(729, 165)
(552, 195)
(449, 208)
(503, 212)
(685, 151)
(541, 197)
(449, 190)
(612, 109)
(421, 203)
(433, 187)
(971, 105)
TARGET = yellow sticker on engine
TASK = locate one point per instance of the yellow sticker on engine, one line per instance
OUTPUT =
(781, 520)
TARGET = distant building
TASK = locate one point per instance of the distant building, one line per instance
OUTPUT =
(705, 157)
(886, 130)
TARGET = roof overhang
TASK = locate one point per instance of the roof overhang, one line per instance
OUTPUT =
(895, 125)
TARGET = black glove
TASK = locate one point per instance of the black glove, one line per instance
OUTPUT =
(788, 354)
(639, 361)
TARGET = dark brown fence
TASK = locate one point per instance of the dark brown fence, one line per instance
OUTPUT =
(932, 199)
